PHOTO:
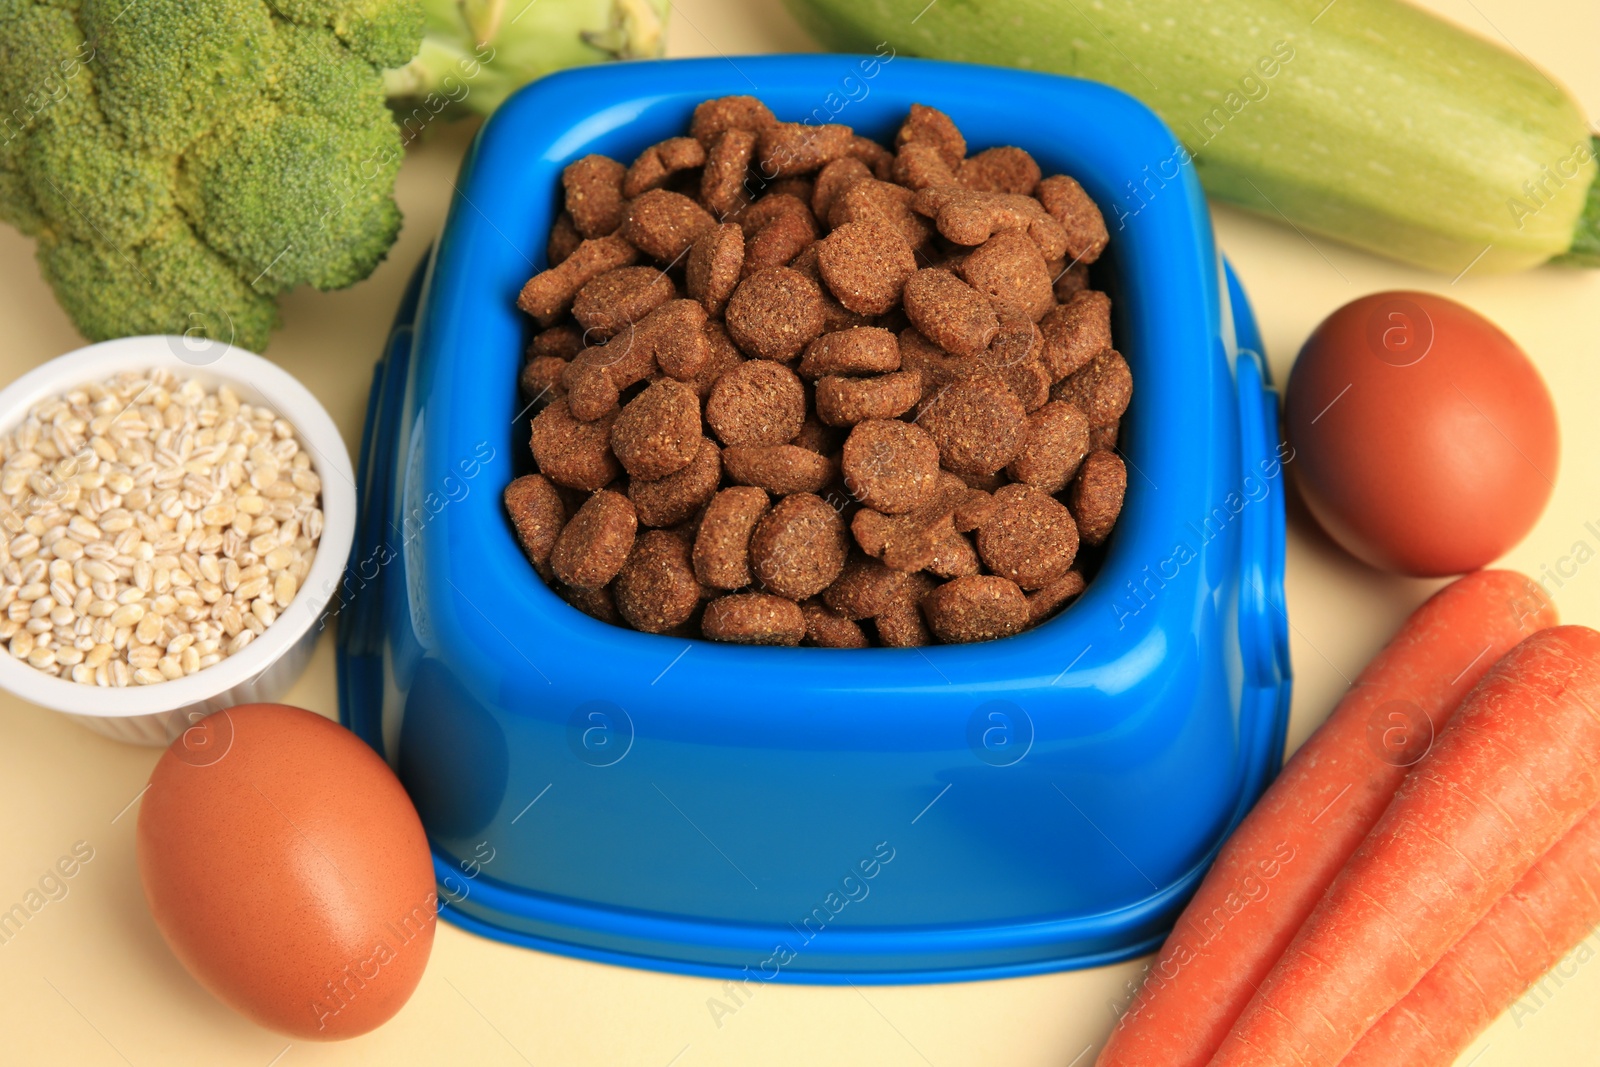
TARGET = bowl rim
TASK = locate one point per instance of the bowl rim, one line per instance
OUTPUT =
(256, 380)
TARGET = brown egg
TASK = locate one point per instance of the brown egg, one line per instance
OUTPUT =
(1424, 440)
(288, 870)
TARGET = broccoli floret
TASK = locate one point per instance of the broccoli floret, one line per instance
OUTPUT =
(382, 32)
(166, 71)
(90, 185)
(171, 283)
(182, 163)
(282, 223)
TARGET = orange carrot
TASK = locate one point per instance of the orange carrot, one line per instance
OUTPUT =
(1515, 768)
(1553, 908)
(1271, 872)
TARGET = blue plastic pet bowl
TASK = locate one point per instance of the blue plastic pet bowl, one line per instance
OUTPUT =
(883, 815)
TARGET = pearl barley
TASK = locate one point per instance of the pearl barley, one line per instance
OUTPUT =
(149, 527)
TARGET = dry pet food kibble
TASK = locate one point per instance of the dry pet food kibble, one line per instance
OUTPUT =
(791, 386)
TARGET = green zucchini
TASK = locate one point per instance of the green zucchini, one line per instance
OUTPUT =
(1369, 121)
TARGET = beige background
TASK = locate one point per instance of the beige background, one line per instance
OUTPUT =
(90, 982)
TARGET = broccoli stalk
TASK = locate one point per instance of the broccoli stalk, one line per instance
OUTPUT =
(475, 53)
(182, 164)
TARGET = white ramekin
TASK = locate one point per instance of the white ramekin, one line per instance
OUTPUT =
(269, 665)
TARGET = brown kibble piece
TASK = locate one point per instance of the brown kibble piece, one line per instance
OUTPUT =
(715, 262)
(1044, 601)
(798, 547)
(656, 590)
(595, 378)
(572, 453)
(722, 544)
(785, 149)
(1028, 382)
(836, 317)
(594, 196)
(563, 342)
(949, 312)
(663, 224)
(919, 165)
(874, 155)
(986, 483)
(775, 313)
(1017, 341)
(1071, 279)
(564, 240)
(969, 217)
(815, 437)
(779, 240)
(834, 179)
(1056, 442)
(1031, 539)
(978, 424)
(675, 498)
(725, 356)
(926, 125)
(870, 200)
(797, 187)
(673, 337)
(610, 303)
(537, 516)
(658, 431)
(593, 546)
(540, 379)
(712, 117)
(911, 541)
(1006, 169)
(975, 509)
(888, 465)
(937, 367)
(955, 558)
(756, 403)
(826, 629)
(549, 294)
(670, 338)
(754, 619)
(846, 401)
(772, 207)
(865, 265)
(1102, 388)
(595, 603)
(1076, 332)
(779, 469)
(900, 625)
(864, 589)
(661, 161)
(860, 350)
(722, 182)
(1078, 215)
(1097, 493)
(977, 608)
(1104, 436)
(1008, 269)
